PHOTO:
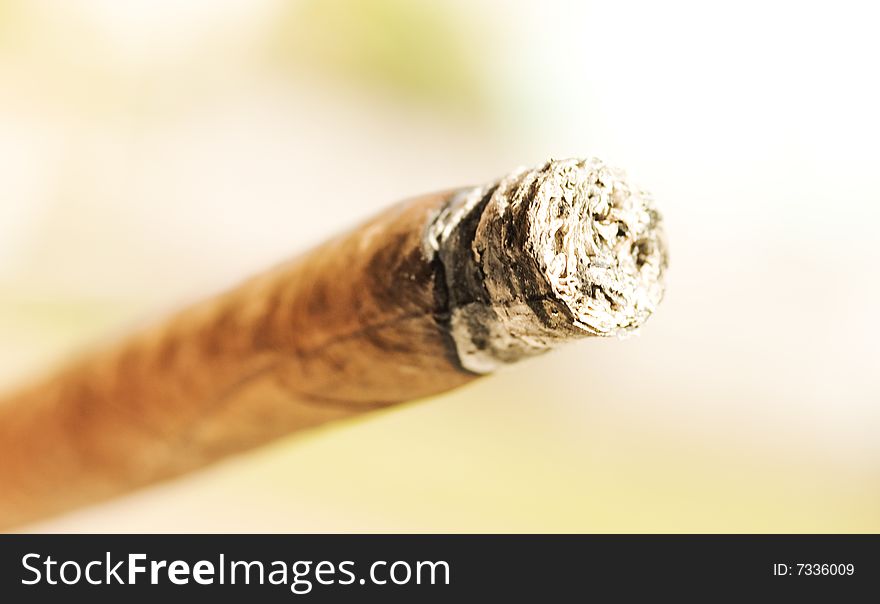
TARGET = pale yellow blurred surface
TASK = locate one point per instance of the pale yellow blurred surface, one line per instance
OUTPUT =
(152, 152)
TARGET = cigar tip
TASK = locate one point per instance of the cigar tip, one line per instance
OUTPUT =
(546, 255)
(599, 241)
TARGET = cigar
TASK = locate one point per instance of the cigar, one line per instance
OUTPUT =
(427, 296)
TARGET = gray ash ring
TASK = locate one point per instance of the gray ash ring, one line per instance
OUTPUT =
(567, 250)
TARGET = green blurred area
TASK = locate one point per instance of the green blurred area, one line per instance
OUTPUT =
(425, 51)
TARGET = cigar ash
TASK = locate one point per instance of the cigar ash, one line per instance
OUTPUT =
(568, 250)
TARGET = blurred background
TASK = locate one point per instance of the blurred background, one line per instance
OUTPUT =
(153, 152)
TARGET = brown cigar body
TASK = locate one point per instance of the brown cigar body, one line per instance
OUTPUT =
(350, 326)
